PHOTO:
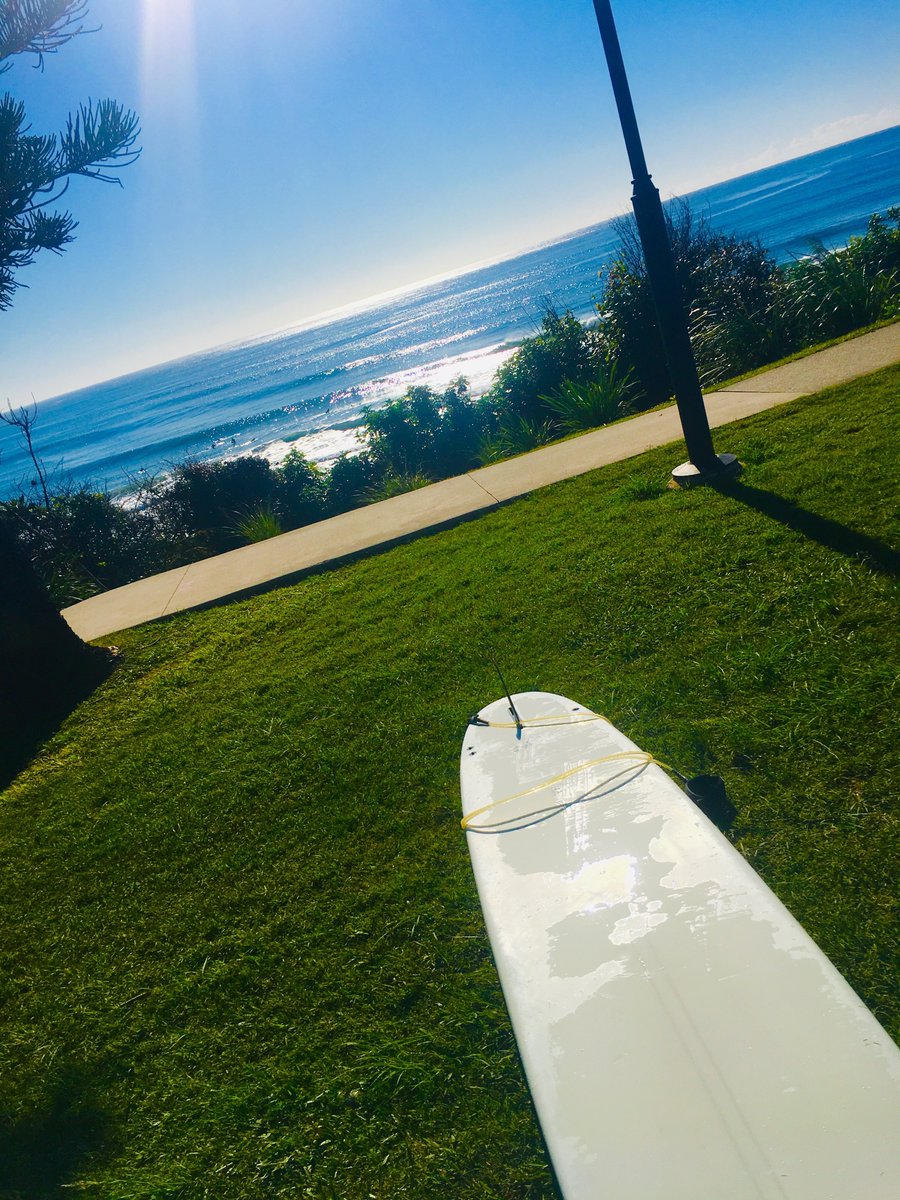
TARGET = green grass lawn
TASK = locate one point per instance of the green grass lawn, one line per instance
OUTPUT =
(242, 951)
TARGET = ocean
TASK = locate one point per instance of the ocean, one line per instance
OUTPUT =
(307, 386)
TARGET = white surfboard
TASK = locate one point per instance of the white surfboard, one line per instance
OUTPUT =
(682, 1036)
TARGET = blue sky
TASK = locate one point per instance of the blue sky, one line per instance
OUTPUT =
(320, 153)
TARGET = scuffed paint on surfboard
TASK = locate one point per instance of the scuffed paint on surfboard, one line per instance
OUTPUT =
(682, 1035)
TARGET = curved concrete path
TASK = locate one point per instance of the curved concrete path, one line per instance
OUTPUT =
(291, 555)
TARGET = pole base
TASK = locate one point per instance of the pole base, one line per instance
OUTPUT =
(687, 475)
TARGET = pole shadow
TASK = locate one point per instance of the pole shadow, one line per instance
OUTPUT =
(832, 534)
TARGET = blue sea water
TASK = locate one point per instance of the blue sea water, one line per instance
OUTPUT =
(308, 386)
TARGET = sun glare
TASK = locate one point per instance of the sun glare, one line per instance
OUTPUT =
(168, 54)
(170, 96)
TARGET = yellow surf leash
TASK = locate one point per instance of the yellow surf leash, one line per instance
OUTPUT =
(634, 758)
(535, 722)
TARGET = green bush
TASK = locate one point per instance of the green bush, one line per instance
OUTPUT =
(426, 432)
(301, 491)
(85, 542)
(203, 500)
(833, 292)
(350, 479)
(563, 350)
(879, 247)
(209, 503)
(743, 310)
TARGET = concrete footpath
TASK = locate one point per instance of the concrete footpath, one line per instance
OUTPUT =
(281, 559)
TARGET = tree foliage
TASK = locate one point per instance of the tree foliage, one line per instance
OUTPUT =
(427, 433)
(563, 349)
(44, 668)
(35, 169)
(38, 27)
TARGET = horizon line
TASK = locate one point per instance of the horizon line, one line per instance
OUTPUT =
(355, 307)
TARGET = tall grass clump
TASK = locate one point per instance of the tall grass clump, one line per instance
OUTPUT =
(394, 485)
(591, 402)
(515, 434)
(258, 525)
(834, 292)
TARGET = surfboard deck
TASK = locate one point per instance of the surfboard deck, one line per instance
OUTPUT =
(682, 1036)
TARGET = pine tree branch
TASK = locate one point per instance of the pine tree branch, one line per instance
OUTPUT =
(38, 27)
(100, 135)
(99, 139)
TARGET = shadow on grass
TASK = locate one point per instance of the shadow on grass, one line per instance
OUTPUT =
(878, 555)
(41, 1151)
(32, 710)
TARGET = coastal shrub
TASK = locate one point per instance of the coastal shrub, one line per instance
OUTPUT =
(300, 491)
(428, 433)
(832, 292)
(564, 349)
(220, 505)
(84, 542)
(591, 402)
(744, 312)
(878, 249)
(203, 500)
(350, 478)
(720, 275)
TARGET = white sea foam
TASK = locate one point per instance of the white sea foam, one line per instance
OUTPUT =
(323, 445)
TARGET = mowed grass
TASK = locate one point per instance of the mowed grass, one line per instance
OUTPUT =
(242, 951)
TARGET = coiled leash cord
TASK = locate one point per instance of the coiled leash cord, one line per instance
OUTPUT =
(636, 760)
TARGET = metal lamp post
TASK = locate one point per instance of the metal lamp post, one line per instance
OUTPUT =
(660, 263)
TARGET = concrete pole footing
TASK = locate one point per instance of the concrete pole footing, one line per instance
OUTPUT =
(687, 475)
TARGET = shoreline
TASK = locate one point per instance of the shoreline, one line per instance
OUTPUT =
(340, 437)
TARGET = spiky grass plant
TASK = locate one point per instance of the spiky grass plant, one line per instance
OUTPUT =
(259, 524)
(394, 485)
(589, 403)
(835, 292)
(517, 435)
